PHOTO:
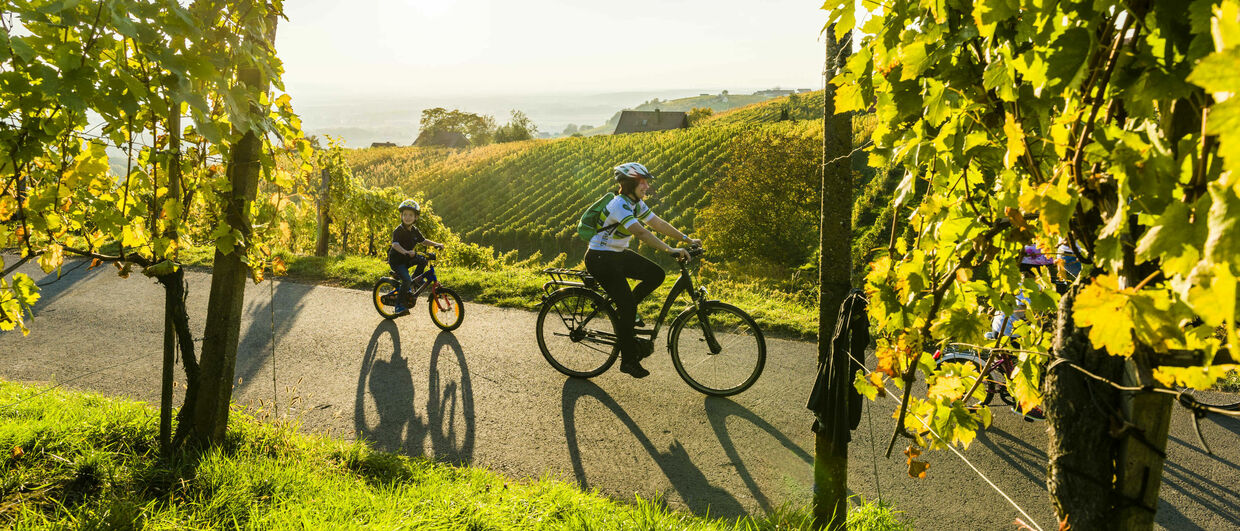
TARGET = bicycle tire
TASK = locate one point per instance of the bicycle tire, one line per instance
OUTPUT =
(739, 362)
(446, 309)
(579, 326)
(383, 296)
(1227, 406)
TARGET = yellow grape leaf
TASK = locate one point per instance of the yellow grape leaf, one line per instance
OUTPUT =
(8, 206)
(257, 272)
(863, 386)
(916, 468)
(949, 387)
(17, 452)
(1015, 140)
(888, 361)
(1102, 308)
(1192, 377)
(52, 258)
(278, 267)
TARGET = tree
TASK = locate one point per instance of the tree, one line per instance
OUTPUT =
(569, 129)
(1117, 139)
(772, 185)
(834, 282)
(519, 128)
(697, 114)
(441, 127)
(133, 73)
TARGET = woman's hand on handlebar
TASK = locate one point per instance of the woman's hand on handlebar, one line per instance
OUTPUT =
(679, 253)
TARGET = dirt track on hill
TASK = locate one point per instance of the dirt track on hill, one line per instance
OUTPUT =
(484, 395)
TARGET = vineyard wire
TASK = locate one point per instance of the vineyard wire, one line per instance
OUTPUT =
(1187, 401)
(874, 456)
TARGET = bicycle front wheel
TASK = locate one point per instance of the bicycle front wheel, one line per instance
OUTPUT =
(447, 310)
(718, 349)
(577, 332)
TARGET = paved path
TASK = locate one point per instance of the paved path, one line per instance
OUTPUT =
(484, 395)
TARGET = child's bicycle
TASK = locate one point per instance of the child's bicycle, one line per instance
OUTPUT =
(444, 304)
(716, 348)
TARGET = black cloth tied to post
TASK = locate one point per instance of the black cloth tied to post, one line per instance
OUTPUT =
(834, 395)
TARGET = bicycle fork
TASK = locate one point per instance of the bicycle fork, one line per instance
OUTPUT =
(708, 331)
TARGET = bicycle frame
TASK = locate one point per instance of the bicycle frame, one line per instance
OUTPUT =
(684, 283)
(431, 280)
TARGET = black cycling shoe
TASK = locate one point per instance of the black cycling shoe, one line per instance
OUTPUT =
(633, 369)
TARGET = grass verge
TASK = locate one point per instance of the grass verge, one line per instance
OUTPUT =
(520, 286)
(85, 461)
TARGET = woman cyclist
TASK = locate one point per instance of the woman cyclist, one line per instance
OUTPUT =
(612, 263)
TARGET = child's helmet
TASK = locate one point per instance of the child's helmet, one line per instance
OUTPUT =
(631, 170)
(409, 204)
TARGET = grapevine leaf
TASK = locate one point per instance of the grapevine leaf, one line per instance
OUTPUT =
(1068, 55)
(916, 468)
(1219, 72)
(865, 386)
(52, 258)
(1223, 239)
(1173, 239)
(1102, 308)
(25, 289)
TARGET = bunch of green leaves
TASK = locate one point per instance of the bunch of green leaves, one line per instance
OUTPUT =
(77, 77)
(1107, 127)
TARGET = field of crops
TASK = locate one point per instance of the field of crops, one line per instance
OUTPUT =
(528, 195)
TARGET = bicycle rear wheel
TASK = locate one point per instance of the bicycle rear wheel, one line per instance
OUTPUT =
(385, 297)
(718, 349)
(577, 332)
(446, 309)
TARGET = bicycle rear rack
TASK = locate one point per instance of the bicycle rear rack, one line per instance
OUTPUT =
(561, 277)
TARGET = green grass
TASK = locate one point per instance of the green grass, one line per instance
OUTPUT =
(77, 460)
(518, 285)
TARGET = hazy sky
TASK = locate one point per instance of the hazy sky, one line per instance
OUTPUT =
(333, 48)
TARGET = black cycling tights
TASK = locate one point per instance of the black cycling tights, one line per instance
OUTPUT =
(612, 270)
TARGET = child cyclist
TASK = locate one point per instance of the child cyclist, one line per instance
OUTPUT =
(612, 263)
(401, 256)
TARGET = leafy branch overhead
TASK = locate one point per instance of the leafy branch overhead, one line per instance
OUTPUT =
(1109, 130)
(78, 78)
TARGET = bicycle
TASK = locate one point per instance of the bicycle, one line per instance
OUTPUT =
(445, 306)
(995, 377)
(716, 348)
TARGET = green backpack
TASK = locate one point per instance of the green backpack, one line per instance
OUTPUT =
(592, 219)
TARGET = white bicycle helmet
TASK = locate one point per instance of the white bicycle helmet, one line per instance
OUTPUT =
(409, 204)
(631, 170)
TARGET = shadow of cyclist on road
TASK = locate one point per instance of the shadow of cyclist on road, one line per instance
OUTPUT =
(717, 412)
(385, 412)
(449, 423)
(687, 479)
(386, 378)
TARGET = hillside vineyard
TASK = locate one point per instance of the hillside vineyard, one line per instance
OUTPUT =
(527, 195)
